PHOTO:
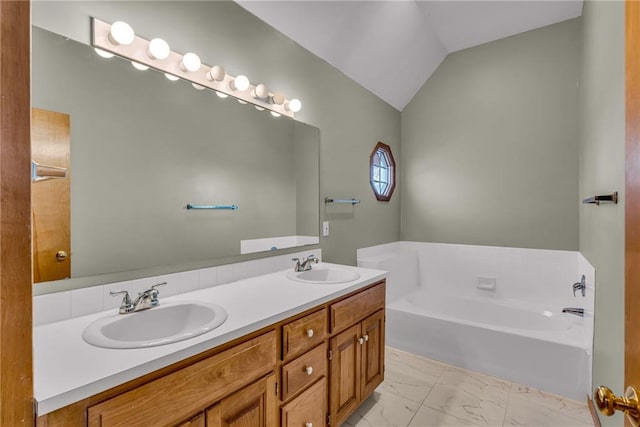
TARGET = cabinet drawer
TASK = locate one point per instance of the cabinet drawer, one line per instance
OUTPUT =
(303, 371)
(174, 397)
(310, 408)
(353, 309)
(304, 333)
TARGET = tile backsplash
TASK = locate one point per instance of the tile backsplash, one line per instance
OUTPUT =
(79, 302)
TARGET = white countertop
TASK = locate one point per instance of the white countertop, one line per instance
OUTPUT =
(67, 369)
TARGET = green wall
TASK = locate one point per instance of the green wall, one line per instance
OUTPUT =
(602, 159)
(490, 145)
(351, 119)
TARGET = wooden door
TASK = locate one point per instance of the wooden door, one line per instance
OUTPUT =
(50, 197)
(253, 406)
(16, 371)
(308, 408)
(372, 372)
(632, 193)
(344, 373)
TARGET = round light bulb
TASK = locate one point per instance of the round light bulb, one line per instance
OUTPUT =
(103, 53)
(158, 49)
(197, 86)
(222, 95)
(240, 83)
(260, 92)
(274, 114)
(294, 105)
(121, 33)
(277, 98)
(217, 73)
(259, 108)
(240, 101)
(190, 62)
(139, 66)
(171, 77)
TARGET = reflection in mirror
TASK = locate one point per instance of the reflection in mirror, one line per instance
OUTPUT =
(143, 147)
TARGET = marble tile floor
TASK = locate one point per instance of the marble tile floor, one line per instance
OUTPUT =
(419, 392)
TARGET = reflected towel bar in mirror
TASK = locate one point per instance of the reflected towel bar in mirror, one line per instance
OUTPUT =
(596, 200)
(343, 201)
(227, 207)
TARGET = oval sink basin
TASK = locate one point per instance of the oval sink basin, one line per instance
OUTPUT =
(324, 275)
(168, 323)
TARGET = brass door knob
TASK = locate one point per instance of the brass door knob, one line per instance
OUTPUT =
(61, 255)
(608, 403)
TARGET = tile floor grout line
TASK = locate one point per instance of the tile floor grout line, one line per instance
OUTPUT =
(506, 407)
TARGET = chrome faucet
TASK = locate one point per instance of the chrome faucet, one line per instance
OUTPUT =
(144, 300)
(574, 311)
(306, 264)
(580, 286)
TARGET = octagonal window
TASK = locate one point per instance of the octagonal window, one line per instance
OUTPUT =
(382, 169)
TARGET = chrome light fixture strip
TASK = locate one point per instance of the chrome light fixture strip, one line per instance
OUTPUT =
(137, 52)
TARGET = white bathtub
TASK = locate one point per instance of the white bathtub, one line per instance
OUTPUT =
(527, 340)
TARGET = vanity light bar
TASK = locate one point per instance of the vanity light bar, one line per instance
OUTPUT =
(184, 67)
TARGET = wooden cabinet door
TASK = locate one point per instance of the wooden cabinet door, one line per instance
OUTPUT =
(372, 352)
(344, 373)
(253, 406)
(308, 409)
(197, 421)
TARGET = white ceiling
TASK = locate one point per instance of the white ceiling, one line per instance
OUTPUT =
(392, 47)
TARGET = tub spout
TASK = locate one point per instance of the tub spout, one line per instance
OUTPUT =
(574, 311)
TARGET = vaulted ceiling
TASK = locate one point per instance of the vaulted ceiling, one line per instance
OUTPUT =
(392, 47)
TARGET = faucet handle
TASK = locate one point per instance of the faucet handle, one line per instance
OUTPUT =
(126, 304)
(159, 284)
(295, 259)
(153, 292)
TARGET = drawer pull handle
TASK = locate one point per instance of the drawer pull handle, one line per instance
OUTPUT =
(310, 333)
(361, 341)
(309, 370)
(308, 425)
(366, 338)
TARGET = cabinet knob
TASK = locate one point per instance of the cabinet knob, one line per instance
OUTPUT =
(308, 425)
(310, 333)
(366, 338)
(361, 341)
(309, 370)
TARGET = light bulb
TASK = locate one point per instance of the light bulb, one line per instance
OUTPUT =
(274, 114)
(222, 95)
(217, 73)
(240, 83)
(139, 66)
(260, 92)
(121, 33)
(277, 98)
(240, 101)
(171, 77)
(197, 86)
(294, 105)
(158, 49)
(103, 53)
(259, 108)
(190, 62)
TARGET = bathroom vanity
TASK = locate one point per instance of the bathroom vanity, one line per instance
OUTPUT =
(311, 368)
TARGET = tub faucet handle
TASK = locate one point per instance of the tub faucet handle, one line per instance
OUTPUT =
(580, 286)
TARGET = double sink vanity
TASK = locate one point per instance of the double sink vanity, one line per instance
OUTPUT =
(291, 348)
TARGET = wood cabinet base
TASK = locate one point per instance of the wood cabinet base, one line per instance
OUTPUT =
(310, 370)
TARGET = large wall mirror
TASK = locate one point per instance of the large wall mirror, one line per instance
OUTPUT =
(142, 148)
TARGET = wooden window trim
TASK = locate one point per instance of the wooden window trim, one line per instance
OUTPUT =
(387, 149)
